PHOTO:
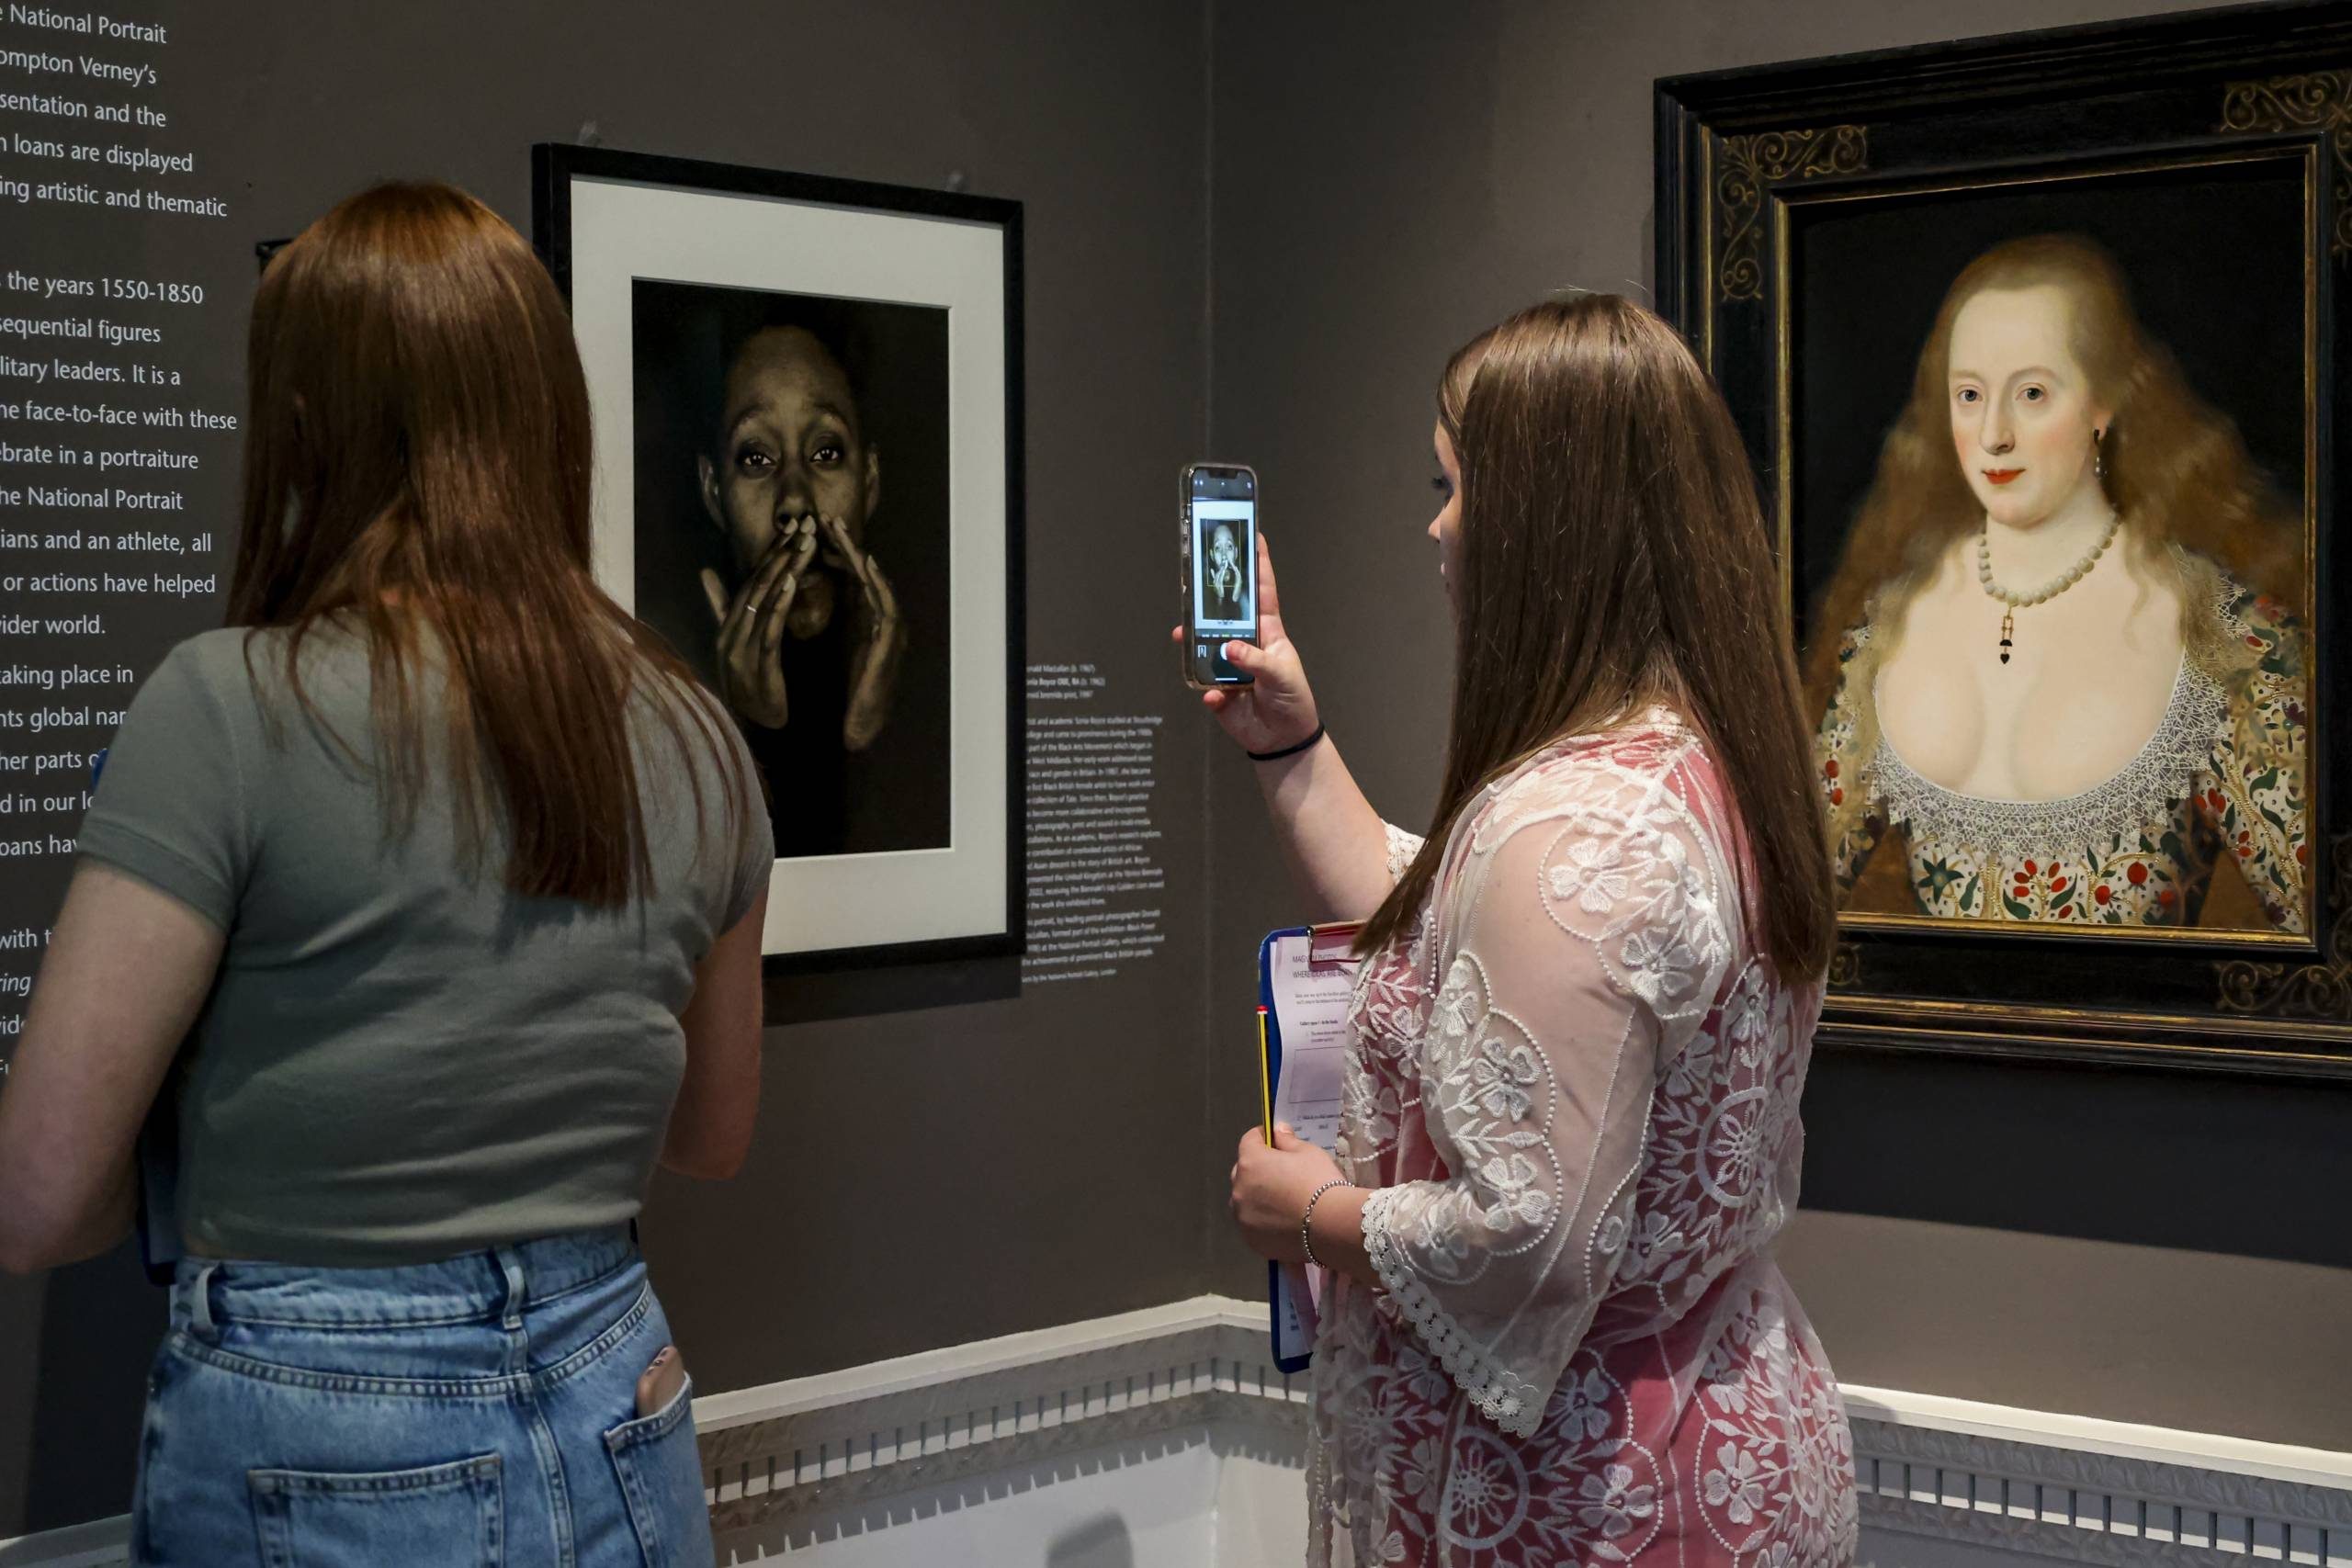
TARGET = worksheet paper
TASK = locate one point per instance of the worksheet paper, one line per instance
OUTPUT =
(1310, 979)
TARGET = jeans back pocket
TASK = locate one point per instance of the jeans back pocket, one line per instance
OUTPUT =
(661, 1475)
(451, 1514)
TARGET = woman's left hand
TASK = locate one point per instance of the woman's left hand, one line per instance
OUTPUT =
(881, 639)
(1271, 1187)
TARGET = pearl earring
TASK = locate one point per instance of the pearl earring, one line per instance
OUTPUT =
(2098, 453)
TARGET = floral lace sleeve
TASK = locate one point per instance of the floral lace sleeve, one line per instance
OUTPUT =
(1402, 848)
(1854, 827)
(1586, 945)
(2256, 796)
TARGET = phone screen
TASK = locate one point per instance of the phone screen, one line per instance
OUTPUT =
(1221, 562)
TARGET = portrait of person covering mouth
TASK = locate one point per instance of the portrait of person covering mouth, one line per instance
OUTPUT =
(1226, 597)
(806, 574)
(2060, 669)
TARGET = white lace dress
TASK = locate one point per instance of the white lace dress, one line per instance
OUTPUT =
(1573, 1088)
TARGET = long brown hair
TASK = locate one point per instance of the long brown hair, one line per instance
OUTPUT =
(1612, 553)
(2176, 468)
(417, 471)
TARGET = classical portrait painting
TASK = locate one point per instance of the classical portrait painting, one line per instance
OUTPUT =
(2057, 659)
(806, 395)
(2043, 408)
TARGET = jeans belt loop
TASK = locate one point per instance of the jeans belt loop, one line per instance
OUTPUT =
(511, 1261)
(200, 1305)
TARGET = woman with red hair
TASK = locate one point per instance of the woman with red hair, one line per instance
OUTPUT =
(452, 880)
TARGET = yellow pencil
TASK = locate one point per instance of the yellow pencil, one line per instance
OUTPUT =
(1265, 1078)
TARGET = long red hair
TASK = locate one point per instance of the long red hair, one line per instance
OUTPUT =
(417, 468)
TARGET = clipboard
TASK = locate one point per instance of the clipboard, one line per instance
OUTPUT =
(1301, 1005)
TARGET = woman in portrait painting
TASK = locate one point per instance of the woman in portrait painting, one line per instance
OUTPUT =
(2061, 651)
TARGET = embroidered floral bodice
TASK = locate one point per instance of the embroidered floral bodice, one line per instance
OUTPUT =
(2218, 777)
(1573, 1086)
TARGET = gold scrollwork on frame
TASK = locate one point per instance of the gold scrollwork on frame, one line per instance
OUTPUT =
(1749, 163)
(2318, 100)
(2321, 990)
(1845, 967)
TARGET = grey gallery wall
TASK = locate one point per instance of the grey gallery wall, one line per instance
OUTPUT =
(922, 1177)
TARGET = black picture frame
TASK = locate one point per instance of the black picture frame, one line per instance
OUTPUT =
(1745, 159)
(936, 971)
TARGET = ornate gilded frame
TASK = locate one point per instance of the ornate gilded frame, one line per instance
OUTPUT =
(1743, 156)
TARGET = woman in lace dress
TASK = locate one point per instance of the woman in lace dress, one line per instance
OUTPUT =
(1554, 1331)
(2061, 652)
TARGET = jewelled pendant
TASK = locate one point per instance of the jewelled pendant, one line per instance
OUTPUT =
(2009, 625)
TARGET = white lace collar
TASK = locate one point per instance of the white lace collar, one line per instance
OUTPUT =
(2143, 791)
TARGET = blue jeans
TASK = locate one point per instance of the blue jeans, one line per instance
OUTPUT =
(477, 1411)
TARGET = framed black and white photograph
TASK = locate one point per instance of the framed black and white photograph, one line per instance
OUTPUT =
(806, 395)
(2037, 349)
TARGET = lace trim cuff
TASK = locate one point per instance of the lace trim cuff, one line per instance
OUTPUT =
(1507, 1400)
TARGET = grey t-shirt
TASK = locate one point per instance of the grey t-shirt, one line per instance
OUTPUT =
(400, 1059)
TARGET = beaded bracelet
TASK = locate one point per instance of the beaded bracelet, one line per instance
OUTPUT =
(1305, 1240)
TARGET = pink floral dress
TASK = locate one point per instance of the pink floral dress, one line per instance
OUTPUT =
(1573, 1088)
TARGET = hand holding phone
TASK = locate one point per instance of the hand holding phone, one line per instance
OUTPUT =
(1275, 710)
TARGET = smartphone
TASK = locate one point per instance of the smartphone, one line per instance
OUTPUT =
(1218, 557)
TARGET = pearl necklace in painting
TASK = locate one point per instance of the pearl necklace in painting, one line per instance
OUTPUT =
(2050, 590)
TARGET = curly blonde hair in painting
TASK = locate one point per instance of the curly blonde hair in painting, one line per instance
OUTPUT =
(2193, 501)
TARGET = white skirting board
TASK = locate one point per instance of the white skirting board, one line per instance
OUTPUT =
(1166, 1437)
(2020, 1484)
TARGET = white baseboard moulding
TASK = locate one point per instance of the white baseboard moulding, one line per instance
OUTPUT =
(1943, 1481)
(2073, 1489)
(853, 1437)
